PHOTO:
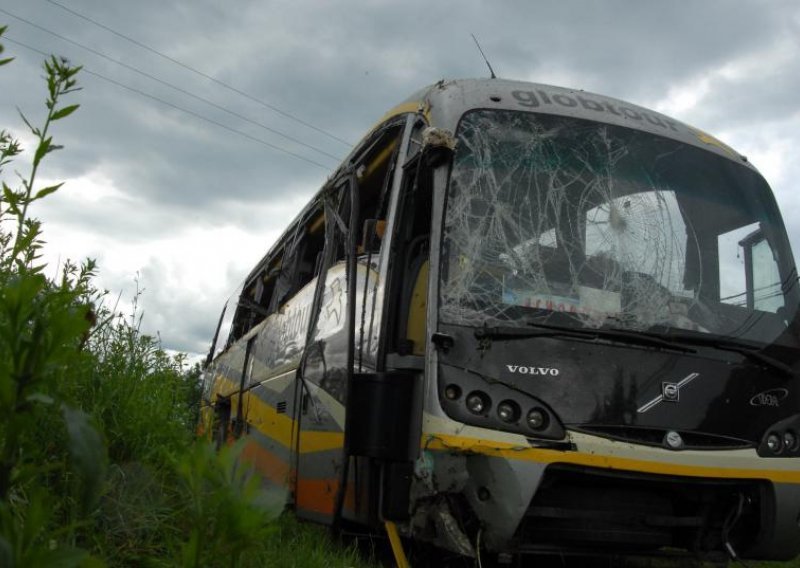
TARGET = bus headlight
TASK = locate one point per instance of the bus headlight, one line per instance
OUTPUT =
(782, 439)
(537, 419)
(452, 392)
(774, 443)
(789, 441)
(508, 411)
(477, 402)
(471, 398)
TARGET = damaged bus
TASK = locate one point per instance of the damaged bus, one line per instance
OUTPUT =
(525, 319)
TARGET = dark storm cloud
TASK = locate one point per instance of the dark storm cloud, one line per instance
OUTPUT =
(340, 66)
(628, 49)
(160, 151)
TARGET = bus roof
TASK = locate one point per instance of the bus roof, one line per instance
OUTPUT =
(446, 101)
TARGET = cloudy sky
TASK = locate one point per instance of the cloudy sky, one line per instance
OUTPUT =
(206, 125)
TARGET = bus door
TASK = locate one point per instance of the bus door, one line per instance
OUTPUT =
(344, 330)
(321, 375)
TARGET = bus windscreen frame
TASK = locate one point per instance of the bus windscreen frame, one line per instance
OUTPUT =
(554, 219)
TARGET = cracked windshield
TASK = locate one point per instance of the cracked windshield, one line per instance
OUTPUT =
(573, 222)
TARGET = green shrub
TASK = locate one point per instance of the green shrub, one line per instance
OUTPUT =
(52, 460)
(98, 459)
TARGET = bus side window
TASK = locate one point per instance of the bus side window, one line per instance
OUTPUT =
(309, 250)
(267, 283)
(300, 259)
(252, 304)
(414, 242)
(416, 297)
(241, 320)
(374, 177)
(285, 275)
(223, 334)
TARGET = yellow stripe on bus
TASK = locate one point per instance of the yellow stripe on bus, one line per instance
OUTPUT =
(516, 452)
(404, 108)
(223, 386)
(311, 441)
(279, 426)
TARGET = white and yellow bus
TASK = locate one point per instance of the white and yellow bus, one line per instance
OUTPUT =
(519, 319)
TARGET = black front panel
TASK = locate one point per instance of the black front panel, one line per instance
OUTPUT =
(716, 399)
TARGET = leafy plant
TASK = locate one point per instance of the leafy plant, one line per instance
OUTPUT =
(98, 458)
(42, 326)
(228, 512)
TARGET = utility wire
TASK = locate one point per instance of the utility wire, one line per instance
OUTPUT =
(198, 72)
(171, 86)
(179, 108)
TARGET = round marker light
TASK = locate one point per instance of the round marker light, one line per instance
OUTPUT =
(452, 392)
(774, 443)
(789, 440)
(477, 403)
(508, 411)
(537, 419)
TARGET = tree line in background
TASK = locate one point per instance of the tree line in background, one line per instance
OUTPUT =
(99, 463)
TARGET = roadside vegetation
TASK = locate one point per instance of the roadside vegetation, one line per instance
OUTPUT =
(99, 462)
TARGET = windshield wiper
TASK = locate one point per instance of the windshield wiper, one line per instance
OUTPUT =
(667, 340)
(548, 330)
(751, 352)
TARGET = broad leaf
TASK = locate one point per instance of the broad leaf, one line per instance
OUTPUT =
(88, 453)
(48, 190)
(64, 112)
(42, 150)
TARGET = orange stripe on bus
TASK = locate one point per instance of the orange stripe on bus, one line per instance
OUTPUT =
(319, 495)
(267, 464)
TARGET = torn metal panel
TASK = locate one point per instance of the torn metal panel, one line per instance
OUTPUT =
(499, 492)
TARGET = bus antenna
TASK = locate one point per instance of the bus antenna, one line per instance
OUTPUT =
(489, 65)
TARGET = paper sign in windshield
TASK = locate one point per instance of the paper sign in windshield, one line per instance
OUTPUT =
(592, 302)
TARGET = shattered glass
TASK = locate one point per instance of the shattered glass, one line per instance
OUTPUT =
(599, 224)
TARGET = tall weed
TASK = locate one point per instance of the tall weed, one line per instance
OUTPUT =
(52, 459)
(99, 464)
(228, 511)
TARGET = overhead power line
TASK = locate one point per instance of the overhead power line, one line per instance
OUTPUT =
(198, 72)
(179, 108)
(171, 86)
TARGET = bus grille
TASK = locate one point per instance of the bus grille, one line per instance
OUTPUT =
(594, 510)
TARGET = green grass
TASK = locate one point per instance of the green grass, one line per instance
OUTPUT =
(295, 544)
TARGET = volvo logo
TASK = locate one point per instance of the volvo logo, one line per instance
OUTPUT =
(521, 370)
(670, 392)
